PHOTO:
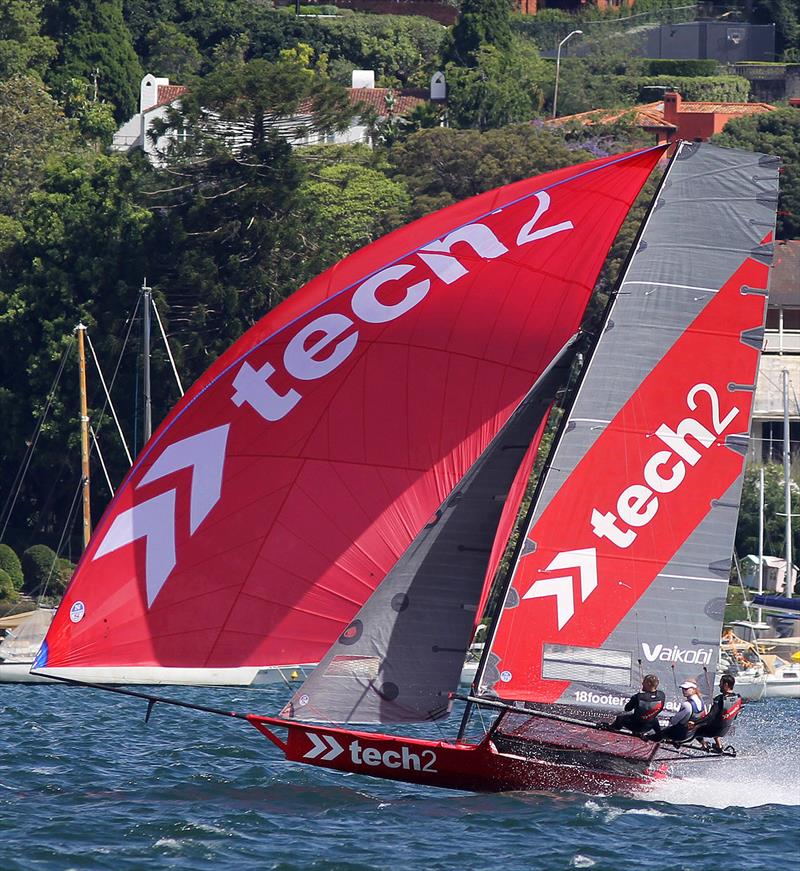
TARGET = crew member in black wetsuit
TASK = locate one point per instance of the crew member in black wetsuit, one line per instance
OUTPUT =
(724, 710)
(643, 709)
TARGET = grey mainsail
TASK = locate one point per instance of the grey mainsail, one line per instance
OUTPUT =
(624, 609)
(402, 655)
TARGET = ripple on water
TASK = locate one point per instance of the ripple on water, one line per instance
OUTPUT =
(94, 789)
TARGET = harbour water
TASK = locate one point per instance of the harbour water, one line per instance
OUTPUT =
(85, 784)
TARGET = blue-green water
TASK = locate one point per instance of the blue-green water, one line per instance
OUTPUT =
(84, 783)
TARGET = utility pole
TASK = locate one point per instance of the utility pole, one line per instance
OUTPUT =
(147, 292)
(87, 513)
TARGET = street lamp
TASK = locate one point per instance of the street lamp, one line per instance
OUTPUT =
(558, 66)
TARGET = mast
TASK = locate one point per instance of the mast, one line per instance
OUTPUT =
(148, 418)
(507, 581)
(87, 514)
(787, 484)
(760, 538)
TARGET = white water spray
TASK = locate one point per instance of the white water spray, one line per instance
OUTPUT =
(767, 771)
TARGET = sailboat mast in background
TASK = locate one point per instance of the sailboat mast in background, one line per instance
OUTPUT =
(787, 480)
(87, 512)
(147, 293)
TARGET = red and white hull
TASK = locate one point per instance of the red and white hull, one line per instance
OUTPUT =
(474, 767)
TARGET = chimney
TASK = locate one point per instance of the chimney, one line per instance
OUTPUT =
(363, 79)
(672, 105)
(438, 86)
(148, 90)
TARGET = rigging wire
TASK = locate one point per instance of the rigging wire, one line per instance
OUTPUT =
(110, 405)
(169, 350)
(16, 487)
(96, 444)
(71, 515)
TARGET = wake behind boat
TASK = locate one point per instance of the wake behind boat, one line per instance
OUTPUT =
(347, 475)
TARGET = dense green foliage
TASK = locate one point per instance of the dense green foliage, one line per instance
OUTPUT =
(785, 15)
(23, 49)
(39, 568)
(8, 591)
(227, 224)
(687, 68)
(774, 133)
(498, 88)
(10, 564)
(774, 523)
(481, 23)
(441, 166)
(94, 45)
(709, 89)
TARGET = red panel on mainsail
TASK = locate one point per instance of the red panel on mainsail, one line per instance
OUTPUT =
(642, 489)
(281, 489)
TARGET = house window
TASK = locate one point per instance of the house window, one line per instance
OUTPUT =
(772, 440)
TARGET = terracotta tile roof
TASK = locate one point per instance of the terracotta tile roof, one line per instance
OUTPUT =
(405, 101)
(167, 94)
(784, 285)
(725, 108)
(650, 116)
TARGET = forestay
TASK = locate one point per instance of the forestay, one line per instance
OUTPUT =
(625, 564)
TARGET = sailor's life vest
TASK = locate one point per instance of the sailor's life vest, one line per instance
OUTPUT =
(698, 713)
(720, 718)
(647, 706)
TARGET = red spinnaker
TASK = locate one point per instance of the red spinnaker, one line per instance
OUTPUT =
(280, 490)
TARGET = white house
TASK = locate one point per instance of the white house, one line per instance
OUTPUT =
(774, 574)
(157, 95)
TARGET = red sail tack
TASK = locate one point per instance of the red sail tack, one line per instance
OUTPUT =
(283, 487)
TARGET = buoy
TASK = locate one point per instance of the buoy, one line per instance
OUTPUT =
(295, 675)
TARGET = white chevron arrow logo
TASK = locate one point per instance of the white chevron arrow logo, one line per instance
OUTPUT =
(154, 519)
(204, 454)
(585, 560)
(321, 744)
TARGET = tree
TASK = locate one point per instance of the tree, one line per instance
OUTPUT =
(10, 564)
(774, 502)
(481, 23)
(171, 53)
(775, 133)
(95, 118)
(22, 47)
(345, 204)
(79, 257)
(227, 202)
(784, 15)
(442, 166)
(32, 129)
(500, 88)
(94, 45)
(38, 567)
(402, 50)
(8, 592)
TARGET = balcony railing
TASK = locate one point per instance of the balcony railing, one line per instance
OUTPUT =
(787, 342)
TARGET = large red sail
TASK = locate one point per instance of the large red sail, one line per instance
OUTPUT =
(288, 481)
